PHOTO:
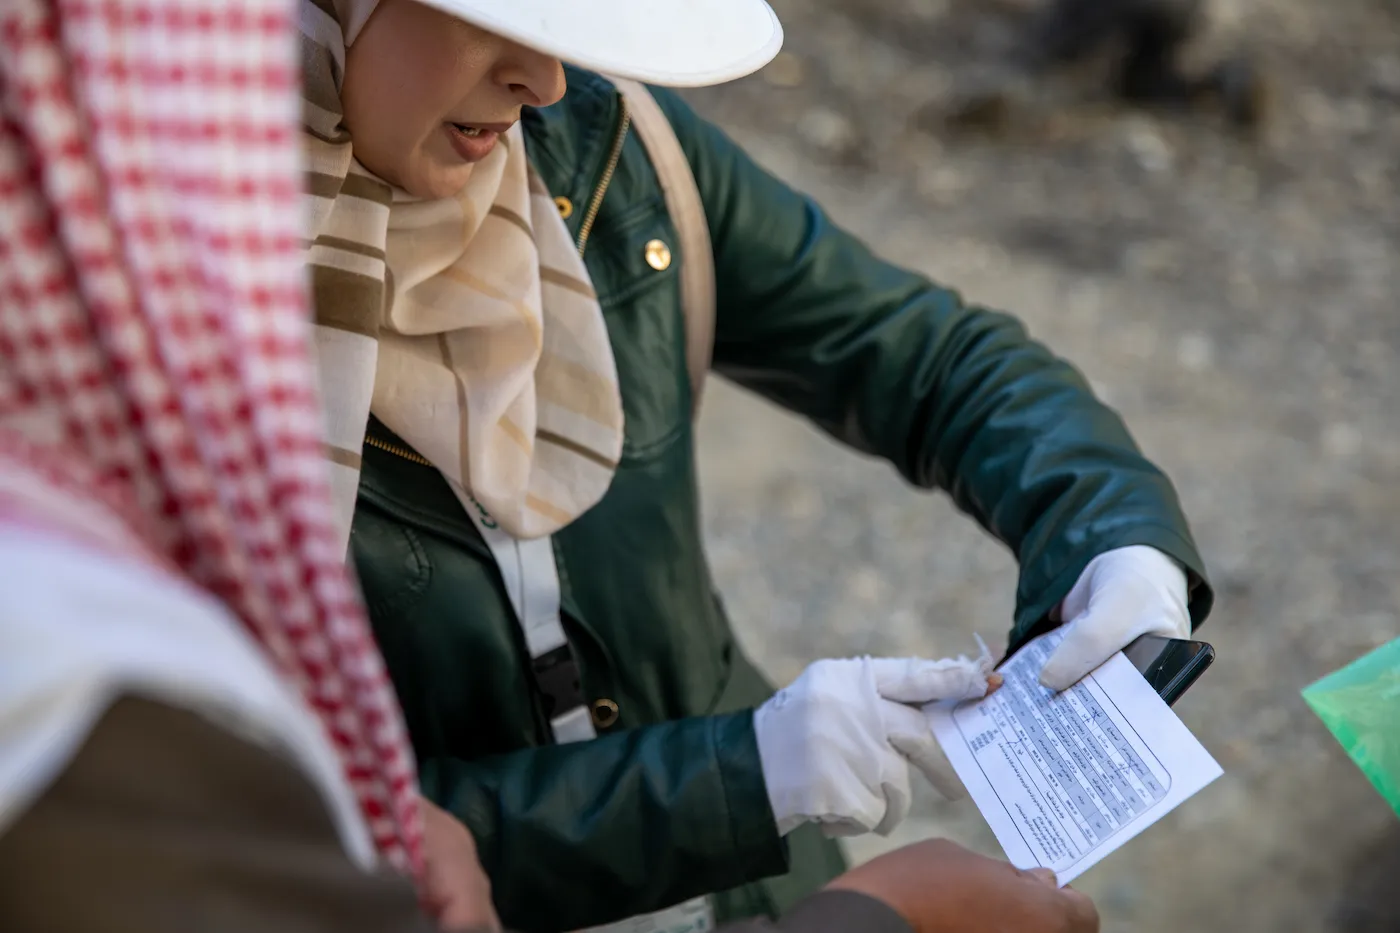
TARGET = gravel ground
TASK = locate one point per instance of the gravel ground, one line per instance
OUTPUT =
(1232, 296)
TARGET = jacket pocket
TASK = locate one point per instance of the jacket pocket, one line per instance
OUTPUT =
(393, 569)
(741, 685)
(642, 309)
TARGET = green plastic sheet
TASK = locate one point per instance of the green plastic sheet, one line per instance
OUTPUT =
(1360, 704)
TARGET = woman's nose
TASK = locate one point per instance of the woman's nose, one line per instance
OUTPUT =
(535, 79)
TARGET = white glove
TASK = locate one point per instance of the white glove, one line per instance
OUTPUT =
(1122, 594)
(837, 743)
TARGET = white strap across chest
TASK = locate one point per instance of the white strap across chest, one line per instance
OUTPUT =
(532, 584)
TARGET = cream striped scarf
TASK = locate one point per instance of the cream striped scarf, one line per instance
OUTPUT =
(467, 325)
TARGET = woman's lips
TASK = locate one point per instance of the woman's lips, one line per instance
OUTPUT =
(474, 142)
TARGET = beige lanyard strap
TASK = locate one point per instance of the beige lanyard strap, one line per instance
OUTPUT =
(697, 269)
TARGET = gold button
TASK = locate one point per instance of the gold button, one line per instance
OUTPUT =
(604, 713)
(658, 255)
(566, 207)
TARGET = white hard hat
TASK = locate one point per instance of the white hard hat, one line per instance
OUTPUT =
(675, 43)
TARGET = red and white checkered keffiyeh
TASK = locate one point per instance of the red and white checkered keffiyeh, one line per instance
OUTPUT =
(157, 393)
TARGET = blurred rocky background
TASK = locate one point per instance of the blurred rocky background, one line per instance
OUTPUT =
(1223, 267)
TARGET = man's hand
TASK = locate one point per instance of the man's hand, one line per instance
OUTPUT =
(940, 887)
(458, 891)
(1122, 594)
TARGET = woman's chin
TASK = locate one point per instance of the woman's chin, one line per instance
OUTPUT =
(437, 180)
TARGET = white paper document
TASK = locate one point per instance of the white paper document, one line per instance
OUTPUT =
(1064, 779)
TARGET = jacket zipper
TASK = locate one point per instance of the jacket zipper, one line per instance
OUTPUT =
(613, 157)
(396, 449)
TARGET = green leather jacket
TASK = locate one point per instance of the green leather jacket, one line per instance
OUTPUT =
(669, 801)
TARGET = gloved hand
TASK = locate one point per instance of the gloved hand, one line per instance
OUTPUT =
(837, 743)
(1122, 594)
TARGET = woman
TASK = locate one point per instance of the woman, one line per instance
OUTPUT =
(503, 352)
(190, 705)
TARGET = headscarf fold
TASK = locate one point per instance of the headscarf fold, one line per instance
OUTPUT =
(466, 324)
(157, 390)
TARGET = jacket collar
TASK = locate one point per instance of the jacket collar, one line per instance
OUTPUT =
(569, 142)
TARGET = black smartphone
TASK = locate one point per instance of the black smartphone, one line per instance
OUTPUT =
(1171, 665)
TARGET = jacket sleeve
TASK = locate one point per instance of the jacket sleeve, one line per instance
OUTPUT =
(668, 812)
(955, 396)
